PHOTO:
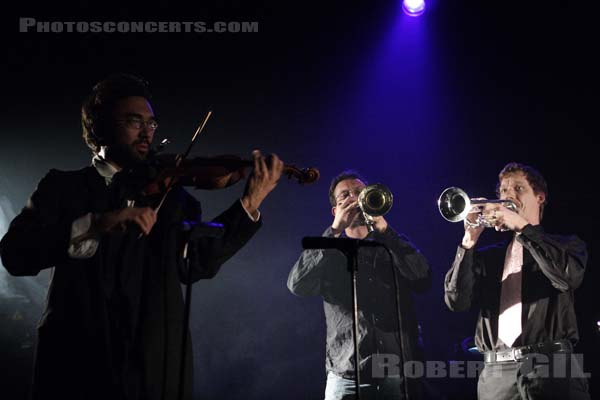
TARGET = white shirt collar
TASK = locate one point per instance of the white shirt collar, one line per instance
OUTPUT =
(104, 168)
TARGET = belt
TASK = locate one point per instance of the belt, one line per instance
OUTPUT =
(519, 353)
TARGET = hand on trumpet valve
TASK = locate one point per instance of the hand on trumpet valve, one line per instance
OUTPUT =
(505, 219)
(474, 220)
(473, 227)
(489, 216)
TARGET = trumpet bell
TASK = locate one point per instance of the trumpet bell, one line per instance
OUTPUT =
(375, 200)
(454, 204)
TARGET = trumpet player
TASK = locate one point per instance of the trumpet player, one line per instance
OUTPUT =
(524, 291)
(324, 273)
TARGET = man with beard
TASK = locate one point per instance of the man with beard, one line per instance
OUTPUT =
(524, 289)
(387, 333)
(112, 328)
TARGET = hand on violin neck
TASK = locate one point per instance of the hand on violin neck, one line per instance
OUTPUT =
(144, 217)
(262, 181)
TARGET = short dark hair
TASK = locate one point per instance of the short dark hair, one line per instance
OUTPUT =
(533, 176)
(347, 174)
(97, 108)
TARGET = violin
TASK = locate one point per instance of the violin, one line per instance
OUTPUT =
(205, 172)
(210, 173)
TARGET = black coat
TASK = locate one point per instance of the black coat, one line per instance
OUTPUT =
(553, 268)
(387, 321)
(112, 324)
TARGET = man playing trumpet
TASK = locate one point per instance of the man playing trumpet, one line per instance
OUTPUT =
(525, 292)
(382, 279)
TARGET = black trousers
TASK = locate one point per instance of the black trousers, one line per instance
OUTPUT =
(539, 376)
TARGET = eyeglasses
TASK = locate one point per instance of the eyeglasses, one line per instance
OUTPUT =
(346, 193)
(137, 123)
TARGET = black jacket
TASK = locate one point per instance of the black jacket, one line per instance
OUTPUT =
(553, 267)
(112, 325)
(382, 282)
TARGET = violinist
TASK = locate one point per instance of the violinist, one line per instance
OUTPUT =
(112, 328)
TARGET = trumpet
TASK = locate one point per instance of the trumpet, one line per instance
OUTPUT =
(455, 205)
(374, 200)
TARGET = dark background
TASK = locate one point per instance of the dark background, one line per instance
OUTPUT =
(418, 104)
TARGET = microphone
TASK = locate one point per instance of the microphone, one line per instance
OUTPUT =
(198, 230)
(343, 244)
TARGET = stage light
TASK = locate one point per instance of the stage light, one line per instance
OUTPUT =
(413, 8)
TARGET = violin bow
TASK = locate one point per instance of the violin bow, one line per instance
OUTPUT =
(183, 157)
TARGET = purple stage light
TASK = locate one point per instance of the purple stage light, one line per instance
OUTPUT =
(413, 8)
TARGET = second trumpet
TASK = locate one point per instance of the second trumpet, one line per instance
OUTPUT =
(455, 206)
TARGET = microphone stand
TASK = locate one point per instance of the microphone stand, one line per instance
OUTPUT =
(350, 249)
(352, 257)
(193, 231)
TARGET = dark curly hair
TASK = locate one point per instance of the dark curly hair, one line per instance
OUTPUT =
(348, 174)
(533, 176)
(97, 108)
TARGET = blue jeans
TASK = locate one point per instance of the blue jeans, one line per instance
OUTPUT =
(339, 388)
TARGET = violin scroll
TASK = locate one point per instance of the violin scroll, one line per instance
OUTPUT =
(304, 176)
